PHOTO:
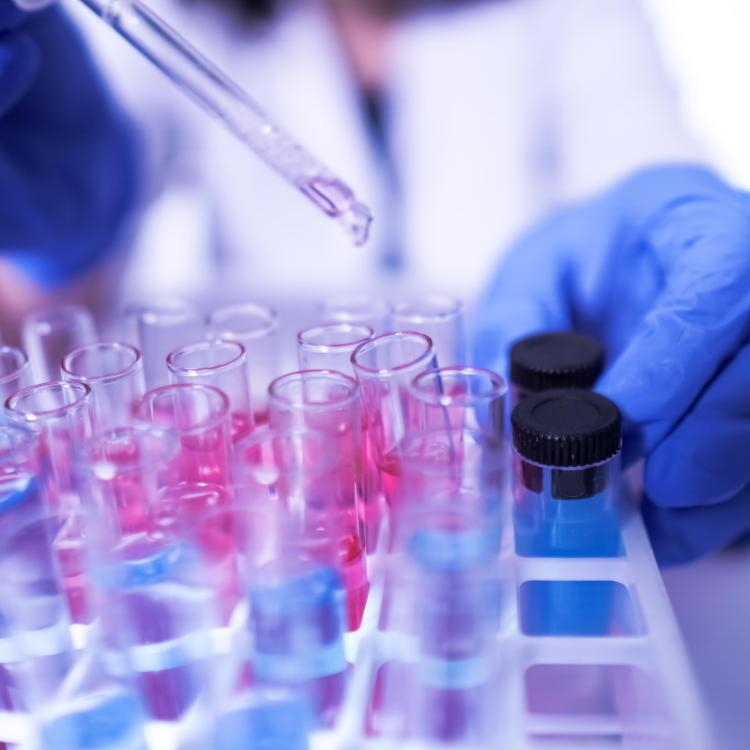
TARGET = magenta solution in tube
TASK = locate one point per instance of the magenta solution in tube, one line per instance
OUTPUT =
(222, 365)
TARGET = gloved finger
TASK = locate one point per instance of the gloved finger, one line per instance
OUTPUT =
(528, 294)
(19, 64)
(704, 460)
(700, 319)
(11, 15)
(679, 535)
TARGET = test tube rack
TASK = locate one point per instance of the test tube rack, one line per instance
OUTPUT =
(631, 688)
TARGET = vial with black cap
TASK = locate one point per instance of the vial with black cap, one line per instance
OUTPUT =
(566, 475)
(547, 361)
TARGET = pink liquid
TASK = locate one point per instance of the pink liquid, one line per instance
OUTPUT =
(241, 426)
(70, 548)
(354, 572)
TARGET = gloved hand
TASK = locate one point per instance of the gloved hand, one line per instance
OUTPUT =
(67, 154)
(658, 268)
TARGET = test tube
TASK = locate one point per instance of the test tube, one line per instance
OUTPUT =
(562, 359)
(61, 414)
(327, 403)
(114, 372)
(48, 335)
(297, 620)
(330, 346)
(15, 371)
(33, 609)
(108, 717)
(448, 584)
(158, 611)
(441, 318)
(20, 501)
(198, 478)
(458, 447)
(566, 475)
(271, 719)
(256, 327)
(385, 367)
(368, 309)
(158, 329)
(123, 472)
(223, 365)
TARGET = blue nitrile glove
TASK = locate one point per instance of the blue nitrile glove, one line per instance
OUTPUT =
(67, 154)
(658, 268)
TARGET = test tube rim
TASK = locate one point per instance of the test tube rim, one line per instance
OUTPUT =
(267, 433)
(137, 362)
(237, 360)
(268, 313)
(150, 314)
(500, 386)
(453, 309)
(68, 308)
(19, 354)
(382, 303)
(389, 372)
(343, 346)
(351, 397)
(26, 438)
(83, 399)
(85, 453)
(154, 393)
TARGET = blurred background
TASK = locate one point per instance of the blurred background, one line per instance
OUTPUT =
(705, 47)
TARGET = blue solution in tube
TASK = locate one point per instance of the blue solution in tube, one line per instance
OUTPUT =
(566, 475)
(264, 720)
(298, 626)
(107, 721)
(456, 602)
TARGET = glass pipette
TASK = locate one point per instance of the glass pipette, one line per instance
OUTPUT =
(210, 88)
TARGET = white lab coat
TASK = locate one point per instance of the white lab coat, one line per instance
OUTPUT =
(497, 113)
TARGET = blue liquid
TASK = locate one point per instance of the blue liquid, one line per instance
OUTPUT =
(548, 525)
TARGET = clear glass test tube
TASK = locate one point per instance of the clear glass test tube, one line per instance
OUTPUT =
(445, 587)
(327, 403)
(368, 309)
(330, 346)
(62, 416)
(198, 477)
(34, 609)
(123, 472)
(256, 327)
(441, 317)
(159, 328)
(385, 368)
(297, 621)
(223, 365)
(20, 500)
(158, 612)
(114, 372)
(48, 335)
(458, 445)
(15, 371)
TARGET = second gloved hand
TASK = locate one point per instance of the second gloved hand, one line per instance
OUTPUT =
(67, 153)
(657, 268)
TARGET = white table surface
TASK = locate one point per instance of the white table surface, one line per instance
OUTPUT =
(711, 599)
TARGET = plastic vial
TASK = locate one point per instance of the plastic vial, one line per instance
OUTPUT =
(554, 360)
(566, 474)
